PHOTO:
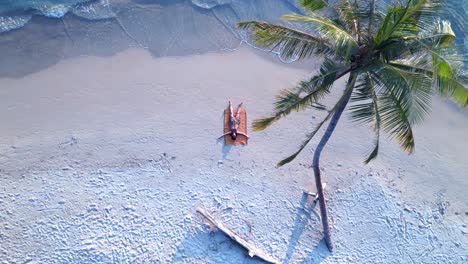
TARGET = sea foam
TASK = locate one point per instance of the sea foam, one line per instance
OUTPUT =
(208, 4)
(54, 11)
(8, 23)
(94, 10)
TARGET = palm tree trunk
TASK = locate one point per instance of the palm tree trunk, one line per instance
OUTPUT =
(315, 165)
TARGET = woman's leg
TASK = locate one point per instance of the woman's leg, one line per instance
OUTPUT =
(238, 109)
(231, 113)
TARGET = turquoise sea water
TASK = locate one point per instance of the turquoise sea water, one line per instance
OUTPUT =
(14, 13)
(57, 8)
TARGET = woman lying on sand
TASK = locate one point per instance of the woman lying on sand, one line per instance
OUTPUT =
(234, 122)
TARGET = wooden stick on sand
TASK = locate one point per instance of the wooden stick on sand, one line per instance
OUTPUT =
(253, 251)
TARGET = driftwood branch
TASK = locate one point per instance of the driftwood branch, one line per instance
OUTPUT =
(253, 251)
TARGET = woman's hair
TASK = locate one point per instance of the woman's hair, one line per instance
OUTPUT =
(233, 134)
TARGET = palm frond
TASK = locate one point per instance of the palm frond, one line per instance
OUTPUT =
(313, 5)
(349, 15)
(447, 82)
(344, 43)
(443, 64)
(372, 15)
(396, 122)
(365, 15)
(366, 110)
(306, 141)
(294, 99)
(438, 35)
(460, 94)
(416, 87)
(446, 66)
(395, 15)
(375, 150)
(290, 100)
(443, 34)
(412, 87)
(402, 21)
(395, 109)
(291, 43)
(362, 109)
(309, 137)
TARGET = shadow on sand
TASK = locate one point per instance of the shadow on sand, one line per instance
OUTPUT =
(303, 215)
(226, 150)
(204, 246)
(216, 247)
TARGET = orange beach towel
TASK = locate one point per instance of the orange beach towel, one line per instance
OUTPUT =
(241, 139)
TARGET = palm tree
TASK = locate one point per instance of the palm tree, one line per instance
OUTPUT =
(395, 56)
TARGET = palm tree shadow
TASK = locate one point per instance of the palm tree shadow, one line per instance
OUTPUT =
(211, 247)
(303, 215)
(319, 253)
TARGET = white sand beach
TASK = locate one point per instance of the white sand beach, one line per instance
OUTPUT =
(105, 160)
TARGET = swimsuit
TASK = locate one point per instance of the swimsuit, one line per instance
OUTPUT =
(234, 123)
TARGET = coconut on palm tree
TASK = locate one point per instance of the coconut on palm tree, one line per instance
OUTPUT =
(396, 56)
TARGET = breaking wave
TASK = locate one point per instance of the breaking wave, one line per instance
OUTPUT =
(14, 14)
(8, 23)
(95, 10)
(49, 8)
(54, 11)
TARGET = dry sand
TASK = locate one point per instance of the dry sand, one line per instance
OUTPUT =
(105, 160)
